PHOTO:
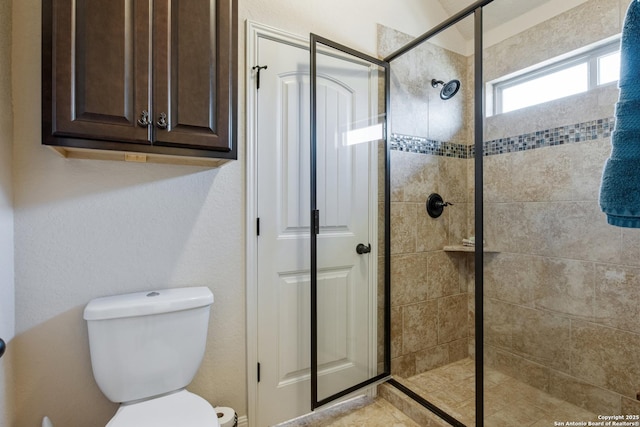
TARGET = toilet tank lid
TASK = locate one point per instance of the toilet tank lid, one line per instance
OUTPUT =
(147, 303)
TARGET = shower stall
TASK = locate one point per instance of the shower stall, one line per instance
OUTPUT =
(504, 297)
(536, 327)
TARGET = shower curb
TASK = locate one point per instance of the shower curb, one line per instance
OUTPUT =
(410, 407)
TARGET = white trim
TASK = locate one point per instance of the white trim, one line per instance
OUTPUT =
(588, 55)
(254, 31)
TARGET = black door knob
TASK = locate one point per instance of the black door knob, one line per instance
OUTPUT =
(362, 249)
(3, 347)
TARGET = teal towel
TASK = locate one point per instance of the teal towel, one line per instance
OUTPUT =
(620, 187)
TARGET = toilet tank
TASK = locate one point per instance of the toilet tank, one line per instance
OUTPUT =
(147, 343)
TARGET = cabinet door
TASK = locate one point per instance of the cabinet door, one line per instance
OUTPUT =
(101, 68)
(195, 73)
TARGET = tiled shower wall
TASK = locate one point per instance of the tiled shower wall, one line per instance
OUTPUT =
(429, 301)
(562, 292)
(429, 306)
(562, 295)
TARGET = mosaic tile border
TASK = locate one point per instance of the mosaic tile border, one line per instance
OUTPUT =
(585, 131)
(417, 144)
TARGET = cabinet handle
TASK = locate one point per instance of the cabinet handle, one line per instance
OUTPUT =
(162, 122)
(143, 121)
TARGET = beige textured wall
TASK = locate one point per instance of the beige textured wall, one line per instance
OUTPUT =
(85, 229)
(7, 298)
(417, 109)
(562, 296)
(429, 287)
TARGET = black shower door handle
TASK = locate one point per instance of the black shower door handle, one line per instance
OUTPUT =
(362, 249)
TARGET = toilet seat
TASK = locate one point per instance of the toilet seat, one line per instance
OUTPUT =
(180, 409)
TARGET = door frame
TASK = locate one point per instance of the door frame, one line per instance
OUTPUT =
(253, 32)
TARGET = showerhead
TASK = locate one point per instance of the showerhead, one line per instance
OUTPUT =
(448, 89)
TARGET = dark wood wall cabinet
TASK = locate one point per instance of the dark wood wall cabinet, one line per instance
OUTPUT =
(140, 80)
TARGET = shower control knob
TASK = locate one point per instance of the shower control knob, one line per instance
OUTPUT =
(363, 249)
(435, 205)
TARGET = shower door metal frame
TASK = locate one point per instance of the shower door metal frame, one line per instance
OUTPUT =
(475, 9)
(315, 225)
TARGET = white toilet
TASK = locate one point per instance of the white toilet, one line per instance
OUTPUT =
(145, 349)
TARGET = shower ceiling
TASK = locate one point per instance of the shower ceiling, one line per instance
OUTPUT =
(508, 10)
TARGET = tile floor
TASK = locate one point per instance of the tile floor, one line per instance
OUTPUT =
(508, 403)
(359, 412)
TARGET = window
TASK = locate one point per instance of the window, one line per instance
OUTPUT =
(569, 76)
(609, 68)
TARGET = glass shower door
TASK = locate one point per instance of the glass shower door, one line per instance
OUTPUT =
(350, 317)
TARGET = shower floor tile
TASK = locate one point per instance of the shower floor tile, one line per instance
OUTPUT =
(508, 402)
(361, 412)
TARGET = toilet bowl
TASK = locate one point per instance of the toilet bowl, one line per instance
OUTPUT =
(146, 347)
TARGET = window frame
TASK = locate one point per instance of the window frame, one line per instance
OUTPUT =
(590, 57)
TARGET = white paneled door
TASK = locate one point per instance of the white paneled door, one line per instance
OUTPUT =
(347, 201)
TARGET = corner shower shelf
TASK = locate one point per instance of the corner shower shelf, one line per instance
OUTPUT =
(461, 248)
